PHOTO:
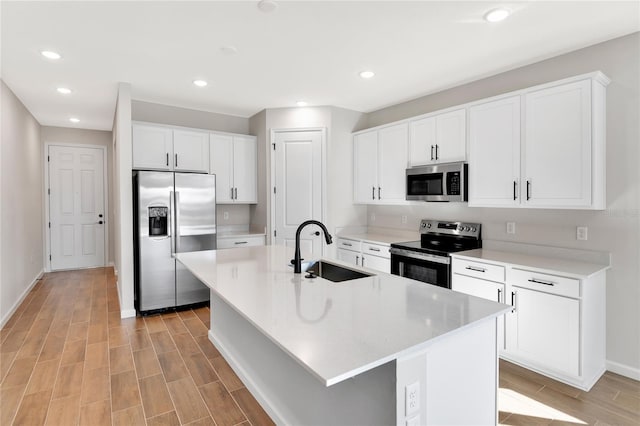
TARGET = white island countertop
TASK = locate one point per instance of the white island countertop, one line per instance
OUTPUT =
(334, 330)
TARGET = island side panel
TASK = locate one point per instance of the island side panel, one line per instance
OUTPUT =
(457, 378)
(288, 392)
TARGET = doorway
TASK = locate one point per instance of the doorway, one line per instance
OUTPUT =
(75, 191)
(298, 176)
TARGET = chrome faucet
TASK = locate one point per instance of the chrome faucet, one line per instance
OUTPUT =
(297, 261)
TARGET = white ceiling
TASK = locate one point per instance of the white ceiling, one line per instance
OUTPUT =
(305, 50)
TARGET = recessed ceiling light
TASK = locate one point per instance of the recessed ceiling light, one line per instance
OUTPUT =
(496, 15)
(49, 54)
(267, 6)
(301, 103)
(367, 74)
(63, 90)
(74, 120)
(200, 83)
(229, 50)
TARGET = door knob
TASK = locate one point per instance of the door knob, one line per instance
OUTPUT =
(99, 222)
(100, 215)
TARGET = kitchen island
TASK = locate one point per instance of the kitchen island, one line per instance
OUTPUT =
(313, 351)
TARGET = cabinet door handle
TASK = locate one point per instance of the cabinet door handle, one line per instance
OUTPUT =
(346, 244)
(436, 151)
(357, 259)
(362, 264)
(240, 242)
(373, 192)
(235, 193)
(167, 159)
(472, 268)
(379, 193)
(515, 186)
(528, 190)
(232, 193)
(533, 280)
(513, 301)
(432, 152)
(374, 249)
(499, 294)
(176, 165)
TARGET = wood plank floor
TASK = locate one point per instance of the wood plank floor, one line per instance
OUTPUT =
(66, 358)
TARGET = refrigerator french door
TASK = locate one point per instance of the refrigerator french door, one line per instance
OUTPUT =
(175, 212)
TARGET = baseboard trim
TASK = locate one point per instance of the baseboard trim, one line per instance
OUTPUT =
(623, 370)
(251, 385)
(127, 313)
(15, 306)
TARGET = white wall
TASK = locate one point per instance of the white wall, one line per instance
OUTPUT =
(260, 213)
(615, 230)
(123, 202)
(64, 135)
(21, 209)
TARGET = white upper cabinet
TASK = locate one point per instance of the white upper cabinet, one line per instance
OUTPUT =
(557, 146)
(234, 162)
(152, 147)
(190, 151)
(438, 138)
(494, 152)
(166, 148)
(543, 147)
(380, 160)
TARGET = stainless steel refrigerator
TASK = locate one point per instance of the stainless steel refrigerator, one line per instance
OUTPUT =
(173, 213)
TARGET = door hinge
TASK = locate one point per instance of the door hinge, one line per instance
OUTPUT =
(49, 224)
(49, 257)
(275, 233)
(274, 146)
(48, 158)
(49, 191)
(274, 189)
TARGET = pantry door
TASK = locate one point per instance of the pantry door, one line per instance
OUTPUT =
(76, 207)
(298, 189)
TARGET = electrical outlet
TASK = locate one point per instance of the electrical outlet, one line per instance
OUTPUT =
(373, 217)
(581, 233)
(414, 421)
(412, 398)
(404, 218)
(511, 227)
(225, 215)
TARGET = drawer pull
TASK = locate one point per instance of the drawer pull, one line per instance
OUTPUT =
(471, 268)
(374, 249)
(533, 280)
(347, 244)
(240, 242)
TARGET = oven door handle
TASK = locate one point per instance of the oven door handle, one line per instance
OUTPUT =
(446, 260)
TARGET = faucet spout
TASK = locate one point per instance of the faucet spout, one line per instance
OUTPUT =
(297, 260)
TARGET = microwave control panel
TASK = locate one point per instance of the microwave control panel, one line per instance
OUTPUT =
(453, 183)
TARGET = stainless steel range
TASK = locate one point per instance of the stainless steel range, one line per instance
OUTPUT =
(428, 260)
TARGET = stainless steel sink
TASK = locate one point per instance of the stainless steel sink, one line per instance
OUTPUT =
(333, 272)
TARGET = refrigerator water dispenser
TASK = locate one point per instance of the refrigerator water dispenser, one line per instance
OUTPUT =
(158, 221)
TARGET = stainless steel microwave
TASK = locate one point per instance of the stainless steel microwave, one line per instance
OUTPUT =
(438, 182)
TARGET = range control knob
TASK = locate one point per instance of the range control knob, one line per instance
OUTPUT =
(428, 225)
(466, 228)
(473, 229)
(424, 224)
(460, 228)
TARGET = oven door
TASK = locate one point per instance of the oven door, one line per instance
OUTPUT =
(428, 268)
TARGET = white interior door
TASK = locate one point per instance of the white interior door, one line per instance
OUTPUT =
(76, 207)
(298, 190)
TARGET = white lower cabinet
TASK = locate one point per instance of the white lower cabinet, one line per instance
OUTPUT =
(366, 254)
(240, 241)
(557, 324)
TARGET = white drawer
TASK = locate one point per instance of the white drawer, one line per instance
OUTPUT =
(347, 244)
(376, 250)
(482, 270)
(548, 283)
(235, 242)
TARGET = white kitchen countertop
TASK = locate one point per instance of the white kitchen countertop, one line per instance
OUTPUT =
(334, 330)
(553, 265)
(378, 238)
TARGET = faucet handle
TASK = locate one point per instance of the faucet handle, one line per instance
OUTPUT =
(293, 261)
